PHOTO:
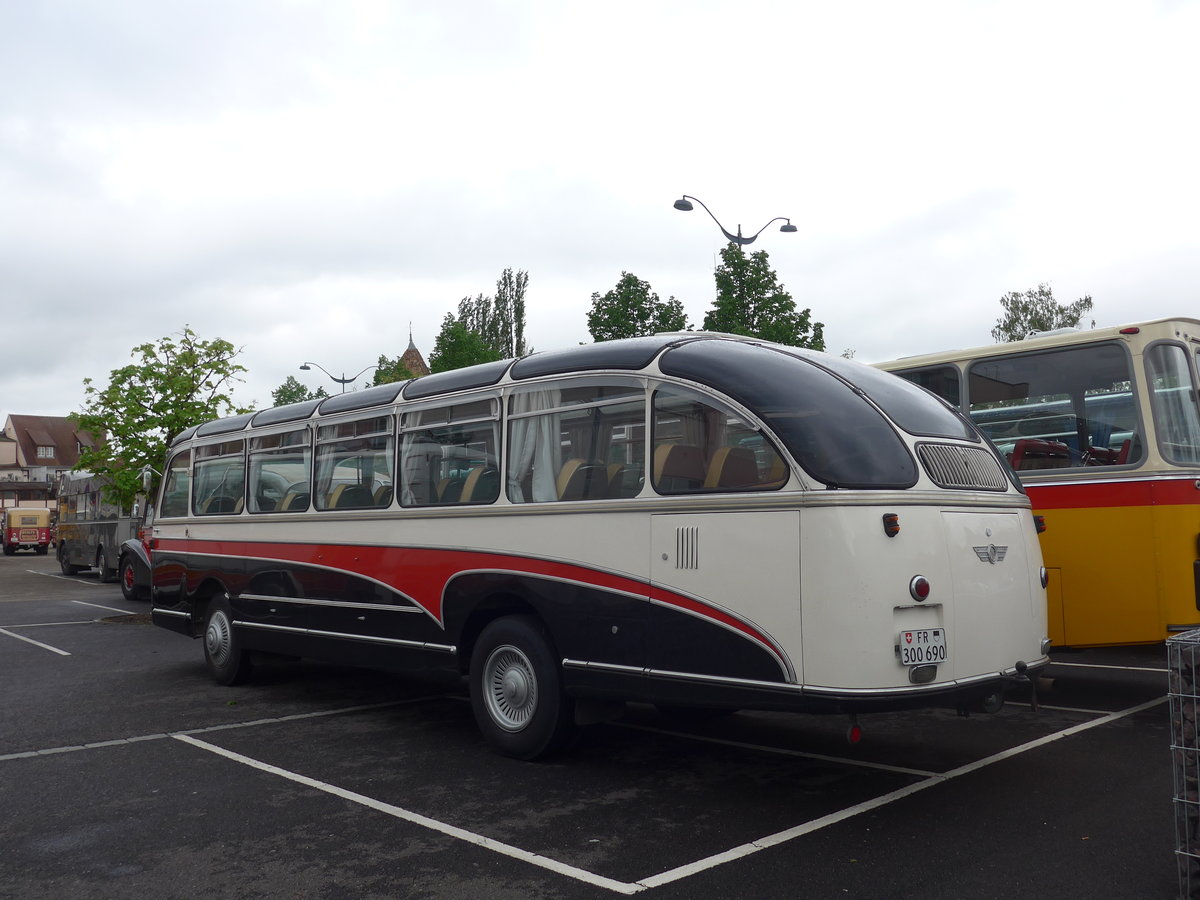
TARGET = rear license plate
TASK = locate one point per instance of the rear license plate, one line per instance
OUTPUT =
(922, 646)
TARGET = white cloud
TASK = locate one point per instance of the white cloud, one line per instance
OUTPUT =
(306, 179)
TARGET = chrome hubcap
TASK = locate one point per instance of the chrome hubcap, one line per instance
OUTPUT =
(217, 639)
(510, 688)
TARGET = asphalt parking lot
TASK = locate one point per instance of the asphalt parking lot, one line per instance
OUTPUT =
(125, 772)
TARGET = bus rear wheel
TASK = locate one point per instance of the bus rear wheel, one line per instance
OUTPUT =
(516, 690)
(66, 567)
(228, 662)
(104, 572)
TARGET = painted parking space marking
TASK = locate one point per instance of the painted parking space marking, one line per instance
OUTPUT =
(98, 606)
(883, 800)
(928, 780)
(70, 579)
(1055, 664)
(29, 640)
(453, 831)
(253, 723)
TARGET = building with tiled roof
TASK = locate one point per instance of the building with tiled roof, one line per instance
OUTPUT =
(34, 452)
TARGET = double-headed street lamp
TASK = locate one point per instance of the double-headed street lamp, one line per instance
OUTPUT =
(684, 204)
(343, 381)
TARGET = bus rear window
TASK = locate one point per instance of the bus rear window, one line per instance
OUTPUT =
(831, 430)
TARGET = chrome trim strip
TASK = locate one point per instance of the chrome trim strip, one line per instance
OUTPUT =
(364, 638)
(801, 688)
(170, 612)
(306, 601)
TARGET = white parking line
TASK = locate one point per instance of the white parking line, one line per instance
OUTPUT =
(68, 578)
(663, 878)
(109, 608)
(461, 834)
(883, 800)
(21, 637)
(1055, 664)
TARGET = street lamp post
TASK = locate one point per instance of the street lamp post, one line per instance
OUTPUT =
(343, 381)
(684, 204)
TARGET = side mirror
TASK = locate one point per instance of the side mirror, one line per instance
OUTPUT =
(147, 475)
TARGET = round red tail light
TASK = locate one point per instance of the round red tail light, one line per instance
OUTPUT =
(919, 588)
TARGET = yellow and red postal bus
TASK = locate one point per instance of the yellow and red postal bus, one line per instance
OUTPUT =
(1102, 428)
(25, 528)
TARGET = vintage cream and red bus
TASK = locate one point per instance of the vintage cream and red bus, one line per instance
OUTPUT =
(1103, 430)
(25, 528)
(685, 519)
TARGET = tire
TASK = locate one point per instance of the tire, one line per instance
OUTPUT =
(227, 661)
(516, 690)
(127, 576)
(66, 567)
(104, 573)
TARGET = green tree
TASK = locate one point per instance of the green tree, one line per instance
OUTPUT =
(631, 309)
(293, 391)
(173, 384)
(1037, 310)
(457, 346)
(389, 370)
(751, 301)
(499, 320)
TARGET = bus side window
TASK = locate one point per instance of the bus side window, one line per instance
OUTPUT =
(219, 480)
(280, 472)
(583, 440)
(448, 455)
(699, 446)
(176, 485)
(354, 464)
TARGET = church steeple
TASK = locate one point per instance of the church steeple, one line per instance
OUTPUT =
(412, 359)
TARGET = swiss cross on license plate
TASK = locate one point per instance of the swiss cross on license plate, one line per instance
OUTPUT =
(922, 646)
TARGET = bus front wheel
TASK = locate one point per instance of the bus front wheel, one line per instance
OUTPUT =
(516, 690)
(228, 662)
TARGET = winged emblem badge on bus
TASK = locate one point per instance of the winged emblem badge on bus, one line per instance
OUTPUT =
(991, 553)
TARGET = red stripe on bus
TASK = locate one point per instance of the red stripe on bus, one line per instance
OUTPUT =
(422, 573)
(1173, 492)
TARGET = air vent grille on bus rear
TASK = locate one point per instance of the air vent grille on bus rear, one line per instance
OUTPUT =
(955, 466)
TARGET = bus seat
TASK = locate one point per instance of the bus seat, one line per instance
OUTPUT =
(1035, 453)
(1106, 456)
(732, 467)
(353, 496)
(294, 500)
(678, 467)
(580, 479)
(624, 480)
(219, 504)
(482, 485)
(778, 474)
(450, 489)
(240, 505)
(383, 495)
(570, 477)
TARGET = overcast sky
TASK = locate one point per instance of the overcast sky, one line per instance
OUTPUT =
(306, 179)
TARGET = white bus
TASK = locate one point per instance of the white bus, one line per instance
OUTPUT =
(685, 519)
